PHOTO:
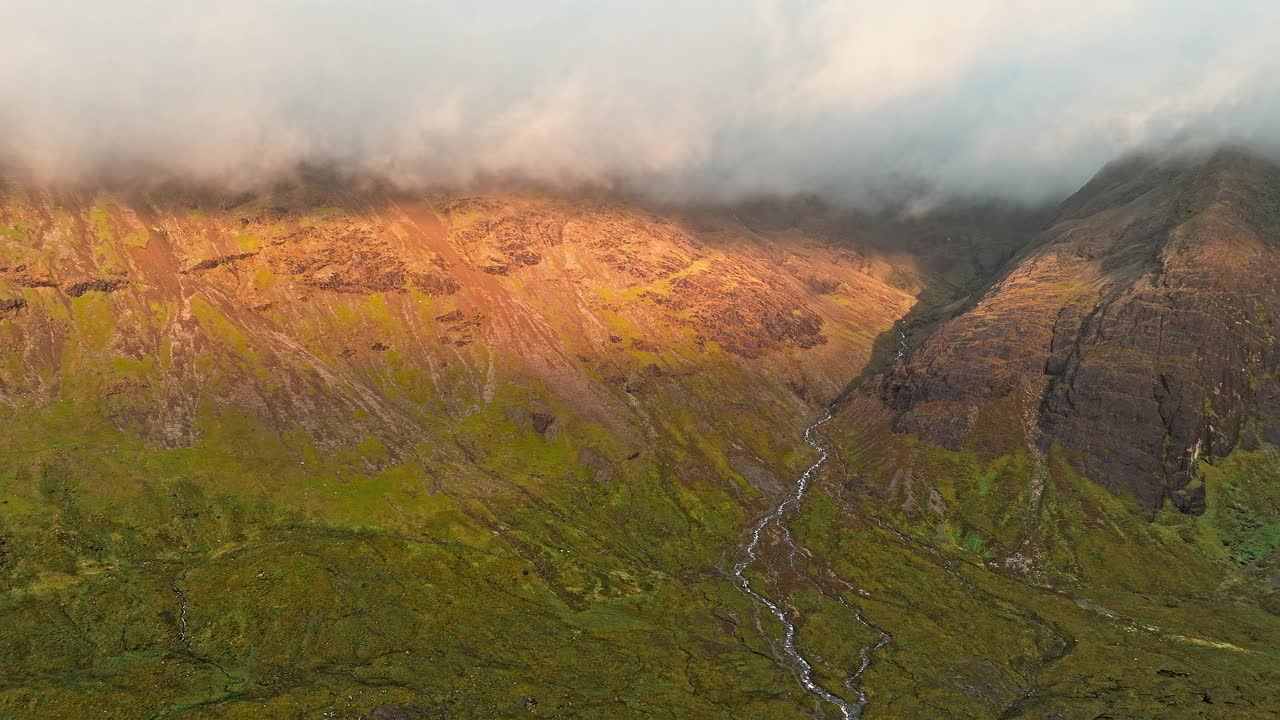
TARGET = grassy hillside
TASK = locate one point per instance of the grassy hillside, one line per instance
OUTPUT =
(1016, 588)
(325, 453)
(320, 452)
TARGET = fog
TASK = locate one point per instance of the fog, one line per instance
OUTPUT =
(708, 100)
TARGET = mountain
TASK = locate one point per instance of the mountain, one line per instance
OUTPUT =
(1074, 473)
(335, 450)
(1139, 327)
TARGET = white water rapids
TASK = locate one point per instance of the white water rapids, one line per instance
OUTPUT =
(903, 346)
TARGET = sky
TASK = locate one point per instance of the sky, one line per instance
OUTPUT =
(699, 99)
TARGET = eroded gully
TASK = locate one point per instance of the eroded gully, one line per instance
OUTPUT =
(804, 667)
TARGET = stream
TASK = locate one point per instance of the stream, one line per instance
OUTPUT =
(848, 710)
(903, 344)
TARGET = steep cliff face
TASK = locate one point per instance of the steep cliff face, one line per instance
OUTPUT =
(1138, 329)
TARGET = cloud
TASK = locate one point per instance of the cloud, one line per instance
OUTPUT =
(712, 99)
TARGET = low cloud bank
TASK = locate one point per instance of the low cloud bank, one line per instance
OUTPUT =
(711, 100)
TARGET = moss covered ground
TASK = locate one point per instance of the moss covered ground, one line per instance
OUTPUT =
(1115, 614)
(232, 579)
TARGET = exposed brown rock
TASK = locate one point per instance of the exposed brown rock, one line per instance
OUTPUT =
(747, 315)
(219, 261)
(822, 285)
(1146, 314)
(22, 276)
(541, 421)
(643, 249)
(341, 257)
(435, 284)
(598, 465)
(101, 285)
(11, 305)
(35, 281)
(502, 240)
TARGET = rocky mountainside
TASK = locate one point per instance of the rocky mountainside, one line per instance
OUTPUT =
(1138, 330)
(399, 311)
(362, 390)
(334, 451)
(1073, 472)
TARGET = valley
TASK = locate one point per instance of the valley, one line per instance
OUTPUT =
(328, 450)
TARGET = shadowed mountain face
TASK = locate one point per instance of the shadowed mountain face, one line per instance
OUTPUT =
(1138, 330)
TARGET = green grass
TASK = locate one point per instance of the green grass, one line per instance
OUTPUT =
(335, 582)
(1123, 617)
(396, 533)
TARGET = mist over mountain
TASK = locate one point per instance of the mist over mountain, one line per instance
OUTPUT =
(850, 101)
(725, 360)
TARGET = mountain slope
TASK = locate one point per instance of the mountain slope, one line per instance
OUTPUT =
(1075, 476)
(322, 449)
(328, 451)
(383, 300)
(1140, 326)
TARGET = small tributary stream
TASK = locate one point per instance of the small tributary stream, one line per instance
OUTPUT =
(777, 516)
